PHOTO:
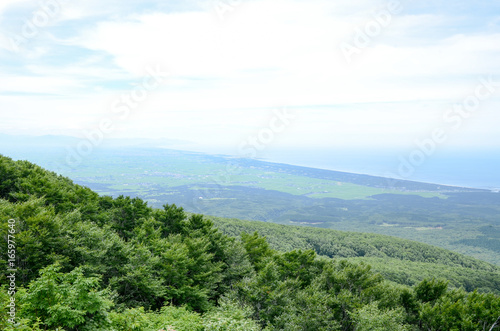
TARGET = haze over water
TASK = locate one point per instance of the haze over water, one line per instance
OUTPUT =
(477, 169)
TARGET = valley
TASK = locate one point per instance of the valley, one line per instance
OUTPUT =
(464, 220)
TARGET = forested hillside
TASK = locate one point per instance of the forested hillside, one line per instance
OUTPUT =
(399, 260)
(87, 262)
(457, 219)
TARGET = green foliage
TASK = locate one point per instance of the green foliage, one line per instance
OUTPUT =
(411, 273)
(127, 214)
(171, 218)
(37, 236)
(238, 266)
(96, 263)
(458, 310)
(131, 319)
(228, 316)
(168, 318)
(401, 261)
(257, 248)
(299, 265)
(430, 290)
(371, 318)
(66, 300)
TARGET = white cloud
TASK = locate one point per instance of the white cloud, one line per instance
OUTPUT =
(36, 85)
(5, 4)
(291, 48)
(226, 74)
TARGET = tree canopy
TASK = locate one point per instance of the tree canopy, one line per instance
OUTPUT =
(90, 262)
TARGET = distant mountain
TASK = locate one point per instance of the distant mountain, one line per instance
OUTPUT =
(68, 141)
(14, 141)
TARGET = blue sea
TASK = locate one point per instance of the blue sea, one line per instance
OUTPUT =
(466, 168)
(476, 168)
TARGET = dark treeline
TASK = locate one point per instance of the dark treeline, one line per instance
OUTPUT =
(399, 260)
(86, 262)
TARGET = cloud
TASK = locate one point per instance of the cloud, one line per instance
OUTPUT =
(226, 73)
(7, 4)
(292, 47)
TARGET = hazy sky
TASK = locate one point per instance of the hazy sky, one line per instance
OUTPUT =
(349, 72)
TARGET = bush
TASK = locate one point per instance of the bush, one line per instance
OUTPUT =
(169, 318)
(65, 300)
(229, 317)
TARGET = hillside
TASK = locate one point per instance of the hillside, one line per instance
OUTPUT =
(399, 260)
(87, 262)
(463, 220)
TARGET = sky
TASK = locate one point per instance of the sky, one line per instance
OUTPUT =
(245, 75)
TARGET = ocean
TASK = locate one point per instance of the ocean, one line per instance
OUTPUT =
(475, 169)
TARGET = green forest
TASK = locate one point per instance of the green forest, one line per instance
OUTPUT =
(401, 261)
(82, 261)
(459, 219)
